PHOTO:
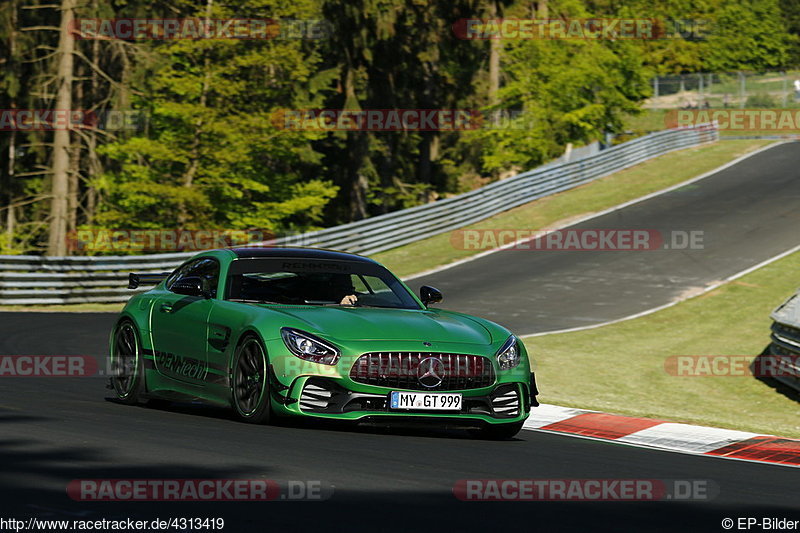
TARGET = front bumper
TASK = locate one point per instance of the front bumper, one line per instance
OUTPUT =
(325, 397)
(353, 399)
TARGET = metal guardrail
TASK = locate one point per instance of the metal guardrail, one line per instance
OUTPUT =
(26, 280)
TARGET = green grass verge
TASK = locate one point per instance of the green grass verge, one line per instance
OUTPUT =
(621, 367)
(645, 178)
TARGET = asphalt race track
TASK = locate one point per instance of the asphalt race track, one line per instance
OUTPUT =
(54, 430)
(748, 213)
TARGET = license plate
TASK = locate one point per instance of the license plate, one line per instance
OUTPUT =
(438, 401)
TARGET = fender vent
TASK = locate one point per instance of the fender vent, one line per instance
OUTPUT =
(505, 402)
(315, 397)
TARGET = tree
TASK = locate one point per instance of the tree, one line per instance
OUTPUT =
(748, 35)
(213, 156)
(561, 91)
(57, 241)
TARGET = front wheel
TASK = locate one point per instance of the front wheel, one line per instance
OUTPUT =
(127, 378)
(498, 431)
(250, 382)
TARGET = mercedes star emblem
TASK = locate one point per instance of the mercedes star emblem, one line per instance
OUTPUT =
(430, 372)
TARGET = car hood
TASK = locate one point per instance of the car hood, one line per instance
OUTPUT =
(359, 323)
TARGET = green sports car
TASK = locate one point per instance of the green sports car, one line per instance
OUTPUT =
(316, 333)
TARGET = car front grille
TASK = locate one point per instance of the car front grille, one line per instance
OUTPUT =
(787, 334)
(401, 370)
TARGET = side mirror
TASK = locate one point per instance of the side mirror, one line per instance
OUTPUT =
(191, 286)
(429, 295)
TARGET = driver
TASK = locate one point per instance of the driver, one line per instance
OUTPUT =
(350, 299)
(342, 288)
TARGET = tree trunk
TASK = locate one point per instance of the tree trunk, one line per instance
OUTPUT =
(94, 167)
(10, 222)
(495, 47)
(358, 198)
(57, 241)
(75, 167)
(356, 144)
(543, 10)
(429, 100)
(194, 164)
(73, 186)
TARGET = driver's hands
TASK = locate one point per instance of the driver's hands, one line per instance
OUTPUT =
(350, 299)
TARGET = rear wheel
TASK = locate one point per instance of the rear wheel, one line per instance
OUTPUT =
(127, 367)
(498, 431)
(250, 382)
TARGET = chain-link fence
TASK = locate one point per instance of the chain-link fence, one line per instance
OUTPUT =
(726, 90)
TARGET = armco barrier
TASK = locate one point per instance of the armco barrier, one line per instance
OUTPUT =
(28, 280)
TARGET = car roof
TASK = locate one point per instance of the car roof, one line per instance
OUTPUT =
(255, 252)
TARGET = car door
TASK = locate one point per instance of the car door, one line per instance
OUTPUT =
(180, 324)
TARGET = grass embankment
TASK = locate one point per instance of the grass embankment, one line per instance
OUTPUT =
(620, 367)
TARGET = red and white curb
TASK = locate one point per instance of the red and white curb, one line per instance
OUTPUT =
(663, 435)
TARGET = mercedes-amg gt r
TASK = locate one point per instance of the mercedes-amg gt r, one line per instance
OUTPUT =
(316, 333)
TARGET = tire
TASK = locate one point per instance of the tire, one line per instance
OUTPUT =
(250, 394)
(498, 431)
(127, 380)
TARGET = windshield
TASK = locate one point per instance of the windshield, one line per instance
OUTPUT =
(323, 282)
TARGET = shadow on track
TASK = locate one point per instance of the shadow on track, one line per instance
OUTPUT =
(35, 477)
(422, 428)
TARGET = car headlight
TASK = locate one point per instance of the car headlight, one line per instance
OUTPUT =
(508, 354)
(307, 346)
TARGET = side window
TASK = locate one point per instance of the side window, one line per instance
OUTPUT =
(206, 269)
(358, 284)
(373, 291)
(179, 273)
